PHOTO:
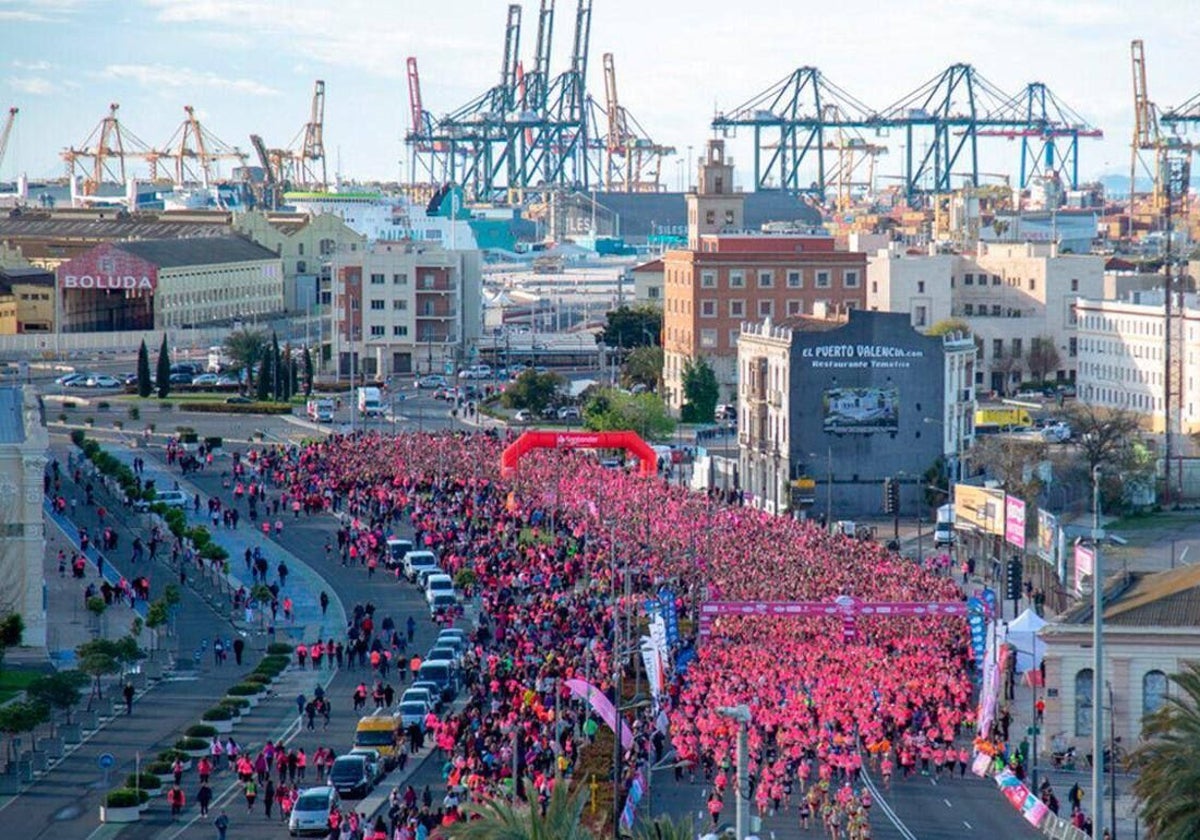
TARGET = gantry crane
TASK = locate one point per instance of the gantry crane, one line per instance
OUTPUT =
(312, 151)
(633, 162)
(106, 148)
(271, 187)
(6, 132)
(193, 150)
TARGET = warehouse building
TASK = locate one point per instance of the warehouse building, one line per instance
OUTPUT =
(156, 284)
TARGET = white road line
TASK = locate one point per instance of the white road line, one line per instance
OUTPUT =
(968, 825)
(947, 801)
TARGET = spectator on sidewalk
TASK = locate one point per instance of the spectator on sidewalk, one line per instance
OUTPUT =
(127, 692)
(221, 823)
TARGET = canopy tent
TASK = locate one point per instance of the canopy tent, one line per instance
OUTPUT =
(1023, 636)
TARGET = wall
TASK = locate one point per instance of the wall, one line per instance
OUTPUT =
(22, 465)
(190, 295)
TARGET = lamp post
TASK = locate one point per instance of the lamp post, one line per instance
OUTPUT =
(1112, 761)
(1097, 665)
(741, 714)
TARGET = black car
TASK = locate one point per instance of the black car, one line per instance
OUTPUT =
(180, 378)
(238, 400)
(351, 777)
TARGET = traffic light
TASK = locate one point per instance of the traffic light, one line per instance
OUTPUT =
(891, 496)
(1013, 588)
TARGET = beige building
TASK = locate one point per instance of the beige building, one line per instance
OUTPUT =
(1122, 362)
(1151, 629)
(648, 283)
(26, 301)
(406, 307)
(304, 243)
(1012, 296)
(23, 447)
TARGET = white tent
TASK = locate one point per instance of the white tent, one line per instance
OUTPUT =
(1023, 635)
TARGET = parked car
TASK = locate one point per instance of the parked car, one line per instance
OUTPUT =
(569, 412)
(442, 602)
(431, 692)
(352, 776)
(443, 654)
(436, 583)
(310, 814)
(226, 379)
(180, 378)
(67, 378)
(238, 399)
(375, 763)
(416, 561)
(430, 381)
(412, 710)
(170, 498)
(205, 379)
(523, 416)
(103, 380)
(1056, 433)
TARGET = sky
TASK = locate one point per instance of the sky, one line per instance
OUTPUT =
(248, 66)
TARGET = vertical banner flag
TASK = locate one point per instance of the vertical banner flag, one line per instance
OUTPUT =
(1085, 566)
(666, 601)
(977, 623)
(1047, 529)
(1014, 521)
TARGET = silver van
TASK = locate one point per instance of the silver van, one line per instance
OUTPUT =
(310, 814)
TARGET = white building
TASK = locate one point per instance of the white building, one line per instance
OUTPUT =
(23, 447)
(1122, 363)
(1013, 296)
(387, 218)
(405, 307)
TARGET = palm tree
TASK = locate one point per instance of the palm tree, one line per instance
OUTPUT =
(245, 348)
(1169, 775)
(499, 820)
(666, 828)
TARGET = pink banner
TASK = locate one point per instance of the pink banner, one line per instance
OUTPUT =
(1014, 522)
(1022, 798)
(602, 706)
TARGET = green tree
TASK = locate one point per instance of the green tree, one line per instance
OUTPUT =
(629, 327)
(643, 366)
(277, 372)
(309, 373)
(12, 629)
(246, 348)
(1106, 436)
(666, 828)
(947, 326)
(21, 717)
(1043, 357)
(163, 371)
(700, 391)
(97, 658)
(532, 390)
(499, 820)
(144, 385)
(60, 691)
(611, 410)
(1167, 775)
(263, 380)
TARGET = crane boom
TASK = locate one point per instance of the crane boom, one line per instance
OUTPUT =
(1145, 121)
(6, 132)
(314, 136)
(512, 55)
(416, 111)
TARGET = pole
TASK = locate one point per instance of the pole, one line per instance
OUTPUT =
(829, 489)
(617, 753)
(1112, 763)
(1097, 665)
(743, 783)
(1034, 755)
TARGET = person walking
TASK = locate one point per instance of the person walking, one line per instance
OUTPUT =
(269, 797)
(127, 692)
(204, 798)
(239, 647)
(175, 798)
(250, 791)
(221, 823)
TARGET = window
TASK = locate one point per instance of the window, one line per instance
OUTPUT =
(737, 309)
(377, 332)
(1083, 703)
(376, 279)
(399, 332)
(301, 267)
(822, 279)
(399, 279)
(737, 279)
(1072, 315)
(378, 305)
(766, 308)
(708, 309)
(995, 310)
(733, 339)
(1032, 285)
(1154, 691)
(995, 279)
(653, 292)
(728, 217)
(795, 307)
(920, 287)
(708, 339)
(968, 309)
(919, 316)
(710, 217)
(795, 280)
(1074, 284)
(968, 279)
(850, 280)
(427, 281)
(1072, 347)
(400, 305)
(766, 279)
(997, 348)
(708, 279)
(1016, 348)
(301, 249)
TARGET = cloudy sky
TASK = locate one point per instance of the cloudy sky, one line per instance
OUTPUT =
(248, 66)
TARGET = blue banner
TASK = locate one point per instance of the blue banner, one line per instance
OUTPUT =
(666, 601)
(989, 598)
(977, 622)
(636, 788)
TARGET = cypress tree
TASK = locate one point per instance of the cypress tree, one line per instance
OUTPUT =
(144, 385)
(277, 371)
(164, 369)
(308, 372)
(264, 378)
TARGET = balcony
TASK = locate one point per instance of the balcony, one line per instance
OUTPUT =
(438, 312)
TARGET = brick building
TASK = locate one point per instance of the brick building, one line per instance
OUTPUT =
(727, 276)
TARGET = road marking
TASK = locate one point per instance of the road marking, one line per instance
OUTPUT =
(947, 801)
(968, 825)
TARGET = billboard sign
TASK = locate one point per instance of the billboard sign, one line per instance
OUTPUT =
(979, 508)
(107, 268)
(1047, 528)
(1014, 521)
(861, 410)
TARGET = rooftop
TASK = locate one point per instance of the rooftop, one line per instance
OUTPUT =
(173, 253)
(1147, 599)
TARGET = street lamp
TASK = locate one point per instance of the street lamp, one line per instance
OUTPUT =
(741, 714)
(1097, 665)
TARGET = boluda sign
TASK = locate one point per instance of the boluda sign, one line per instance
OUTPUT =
(108, 268)
(110, 281)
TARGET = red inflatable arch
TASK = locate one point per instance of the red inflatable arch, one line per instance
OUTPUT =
(537, 439)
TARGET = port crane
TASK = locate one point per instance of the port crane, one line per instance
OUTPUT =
(194, 151)
(6, 132)
(633, 162)
(101, 157)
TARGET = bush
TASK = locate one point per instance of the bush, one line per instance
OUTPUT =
(78, 437)
(201, 730)
(279, 649)
(257, 678)
(245, 690)
(160, 768)
(212, 442)
(125, 798)
(236, 705)
(191, 743)
(217, 713)
(272, 665)
(241, 408)
(214, 552)
(169, 756)
(62, 417)
(146, 780)
(135, 413)
(166, 406)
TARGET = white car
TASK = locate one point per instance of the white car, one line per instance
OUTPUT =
(310, 814)
(523, 416)
(103, 380)
(417, 561)
(436, 584)
(1056, 433)
(206, 379)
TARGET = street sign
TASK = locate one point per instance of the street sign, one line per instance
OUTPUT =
(106, 760)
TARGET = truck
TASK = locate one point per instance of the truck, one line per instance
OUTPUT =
(382, 731)
(1001, 419)
(943, 531)
(370, 401)
(320, 409)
